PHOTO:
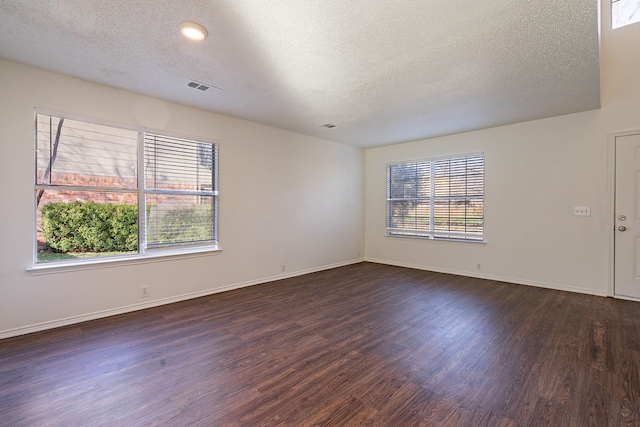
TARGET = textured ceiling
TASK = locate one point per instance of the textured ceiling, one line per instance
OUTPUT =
(382, 71)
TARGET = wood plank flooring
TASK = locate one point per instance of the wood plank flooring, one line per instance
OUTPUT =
(362, 345)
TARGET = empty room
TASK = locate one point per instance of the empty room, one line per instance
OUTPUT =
(339, 213)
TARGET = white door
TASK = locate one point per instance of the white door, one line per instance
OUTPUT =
(627, 216)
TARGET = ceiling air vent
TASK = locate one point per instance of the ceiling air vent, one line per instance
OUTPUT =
(201, 86)
(328, 126)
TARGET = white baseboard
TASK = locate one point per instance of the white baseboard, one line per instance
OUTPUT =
(480, 275)
(162, 301)
(626, 298)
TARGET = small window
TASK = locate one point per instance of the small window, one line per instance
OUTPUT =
(106, 191)
(437, 199)
(624, 12)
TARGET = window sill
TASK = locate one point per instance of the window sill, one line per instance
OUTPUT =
(474, 242)
(107, 262)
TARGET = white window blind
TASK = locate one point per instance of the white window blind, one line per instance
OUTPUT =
(180, 191)
(437, 199)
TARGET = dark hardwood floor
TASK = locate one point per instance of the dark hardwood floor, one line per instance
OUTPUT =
(362, 345)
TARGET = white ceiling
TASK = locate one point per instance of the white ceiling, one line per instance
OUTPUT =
(382, 71)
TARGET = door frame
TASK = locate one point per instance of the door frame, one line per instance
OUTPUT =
(610, 220)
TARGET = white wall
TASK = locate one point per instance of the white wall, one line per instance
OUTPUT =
(284, 198)
(536, 172)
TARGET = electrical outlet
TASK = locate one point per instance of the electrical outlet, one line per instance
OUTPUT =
(358, 254)
(582, 211)
(144, 291)
(479, 266)
(283, 267)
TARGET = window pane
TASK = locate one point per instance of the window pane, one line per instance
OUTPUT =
(409, 214)
(441, 215)
(459, 219)
(179, 219)
(85, 224)
(457, 215)
(71, 152)
(475, 218)
(475, 176)
(409, 180)
(400, 213)
(441, 178)
(423, 216)
(624, 12)
(402, 181)
(178, 164)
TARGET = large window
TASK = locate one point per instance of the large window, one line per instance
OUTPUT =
(437, 199)
(108, 191)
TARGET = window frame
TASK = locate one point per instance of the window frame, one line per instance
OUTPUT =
(143, 253)
(432, 233)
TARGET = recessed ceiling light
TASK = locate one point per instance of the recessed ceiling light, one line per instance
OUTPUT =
(193, 31)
